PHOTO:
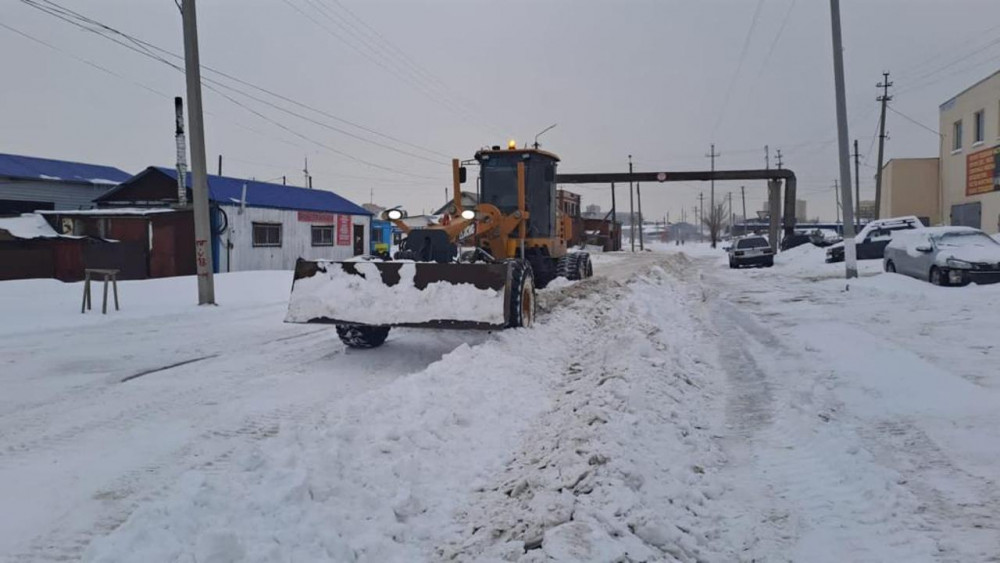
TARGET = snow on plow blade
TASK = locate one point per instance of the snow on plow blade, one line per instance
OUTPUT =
(409, 294)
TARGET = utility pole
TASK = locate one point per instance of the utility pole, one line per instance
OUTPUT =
(711, 200)
(767, 158)
(779, 159)
(220, 165)
(308, 184)
(884, 98)
(199, 168)
(836, 198)
(730, 197)
(857, 185)
(850, 256)
(638, 197)
(614, 211)
(743, 192)
(631, 206)
(701, 212)
(181, 152)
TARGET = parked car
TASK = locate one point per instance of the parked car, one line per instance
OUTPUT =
(871, 241)
(753, 250)
(797, 239)
(945, 256)
(824, 237)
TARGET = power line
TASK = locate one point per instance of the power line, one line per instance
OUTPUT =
(739, 66)
(777, 37)
(147, 49)
(911, 120)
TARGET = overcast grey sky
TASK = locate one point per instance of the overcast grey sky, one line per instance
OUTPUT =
(656, 79)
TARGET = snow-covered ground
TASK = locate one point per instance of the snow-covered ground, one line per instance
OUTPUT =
(668, 409)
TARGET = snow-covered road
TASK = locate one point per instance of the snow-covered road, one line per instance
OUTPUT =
(669, 409)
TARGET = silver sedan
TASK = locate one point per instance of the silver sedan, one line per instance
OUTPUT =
(945, 256)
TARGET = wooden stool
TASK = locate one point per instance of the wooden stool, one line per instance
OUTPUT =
(111, 275)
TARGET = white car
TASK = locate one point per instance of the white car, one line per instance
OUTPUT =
(945, 256)
(753, 250)
(870, 243)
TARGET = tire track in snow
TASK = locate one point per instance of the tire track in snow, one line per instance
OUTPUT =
(826, 498)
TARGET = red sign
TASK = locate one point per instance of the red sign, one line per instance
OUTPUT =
(316, 217)
(981, 171)
(343, 230)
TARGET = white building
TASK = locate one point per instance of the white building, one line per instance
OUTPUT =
(259, 225)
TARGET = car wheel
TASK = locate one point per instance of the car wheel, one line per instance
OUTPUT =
(937, 277)
(890, 267)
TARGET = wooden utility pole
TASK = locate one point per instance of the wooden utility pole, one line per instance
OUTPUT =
(711, 200)
(199, 167)
(884, 98)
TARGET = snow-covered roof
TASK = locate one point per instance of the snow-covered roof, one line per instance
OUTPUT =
(28, 226)
(111, 211)
(33, 168)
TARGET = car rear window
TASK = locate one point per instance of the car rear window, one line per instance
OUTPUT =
(756, 242)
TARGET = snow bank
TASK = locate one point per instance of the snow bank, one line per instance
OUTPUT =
(45, 304)
(589, 421)
(336, 294)
(28, 226)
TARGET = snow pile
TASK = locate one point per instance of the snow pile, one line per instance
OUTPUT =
(615, 470)
(589, 420)
(364, 298)
(28, 226)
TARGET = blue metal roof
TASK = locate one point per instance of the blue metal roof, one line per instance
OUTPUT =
(227, 190)
(32, 168)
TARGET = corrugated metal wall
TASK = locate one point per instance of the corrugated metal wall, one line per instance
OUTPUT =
(63, 195)
(296, 240)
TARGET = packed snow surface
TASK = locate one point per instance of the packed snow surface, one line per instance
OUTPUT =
(336, 294)
(669, 409)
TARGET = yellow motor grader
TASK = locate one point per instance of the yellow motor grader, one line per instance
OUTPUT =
(477, 271)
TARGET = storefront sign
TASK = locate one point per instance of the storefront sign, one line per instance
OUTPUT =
(316, 217)
(981, 169)
(343, 230)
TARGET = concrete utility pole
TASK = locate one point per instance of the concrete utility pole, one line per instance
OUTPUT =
(836, 198)
(199, 167)
(779, 159)
(730, 197)
(767, 158)
(181, 152)
(884, 98)
(711, 200)
(850, 258)
(631, 206)
(614, 211)
(701, 212)
(857, 185)
(638, 197)
(743, 192)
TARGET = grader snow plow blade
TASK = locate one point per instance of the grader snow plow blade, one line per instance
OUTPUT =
(405, 294)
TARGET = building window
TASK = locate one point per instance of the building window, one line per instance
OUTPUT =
(322, 235)
(956, 136)
(980, 126)
(267, 234)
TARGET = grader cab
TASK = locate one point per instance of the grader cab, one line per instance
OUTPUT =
(480, 270)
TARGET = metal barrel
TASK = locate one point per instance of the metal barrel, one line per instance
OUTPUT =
(400, 293)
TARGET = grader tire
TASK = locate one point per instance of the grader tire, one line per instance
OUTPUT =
(357, 336)
(521, 313)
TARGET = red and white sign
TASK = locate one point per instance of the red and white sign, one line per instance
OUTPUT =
(343, 230)
(316, 217)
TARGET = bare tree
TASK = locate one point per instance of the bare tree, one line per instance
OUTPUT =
(714, 221)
